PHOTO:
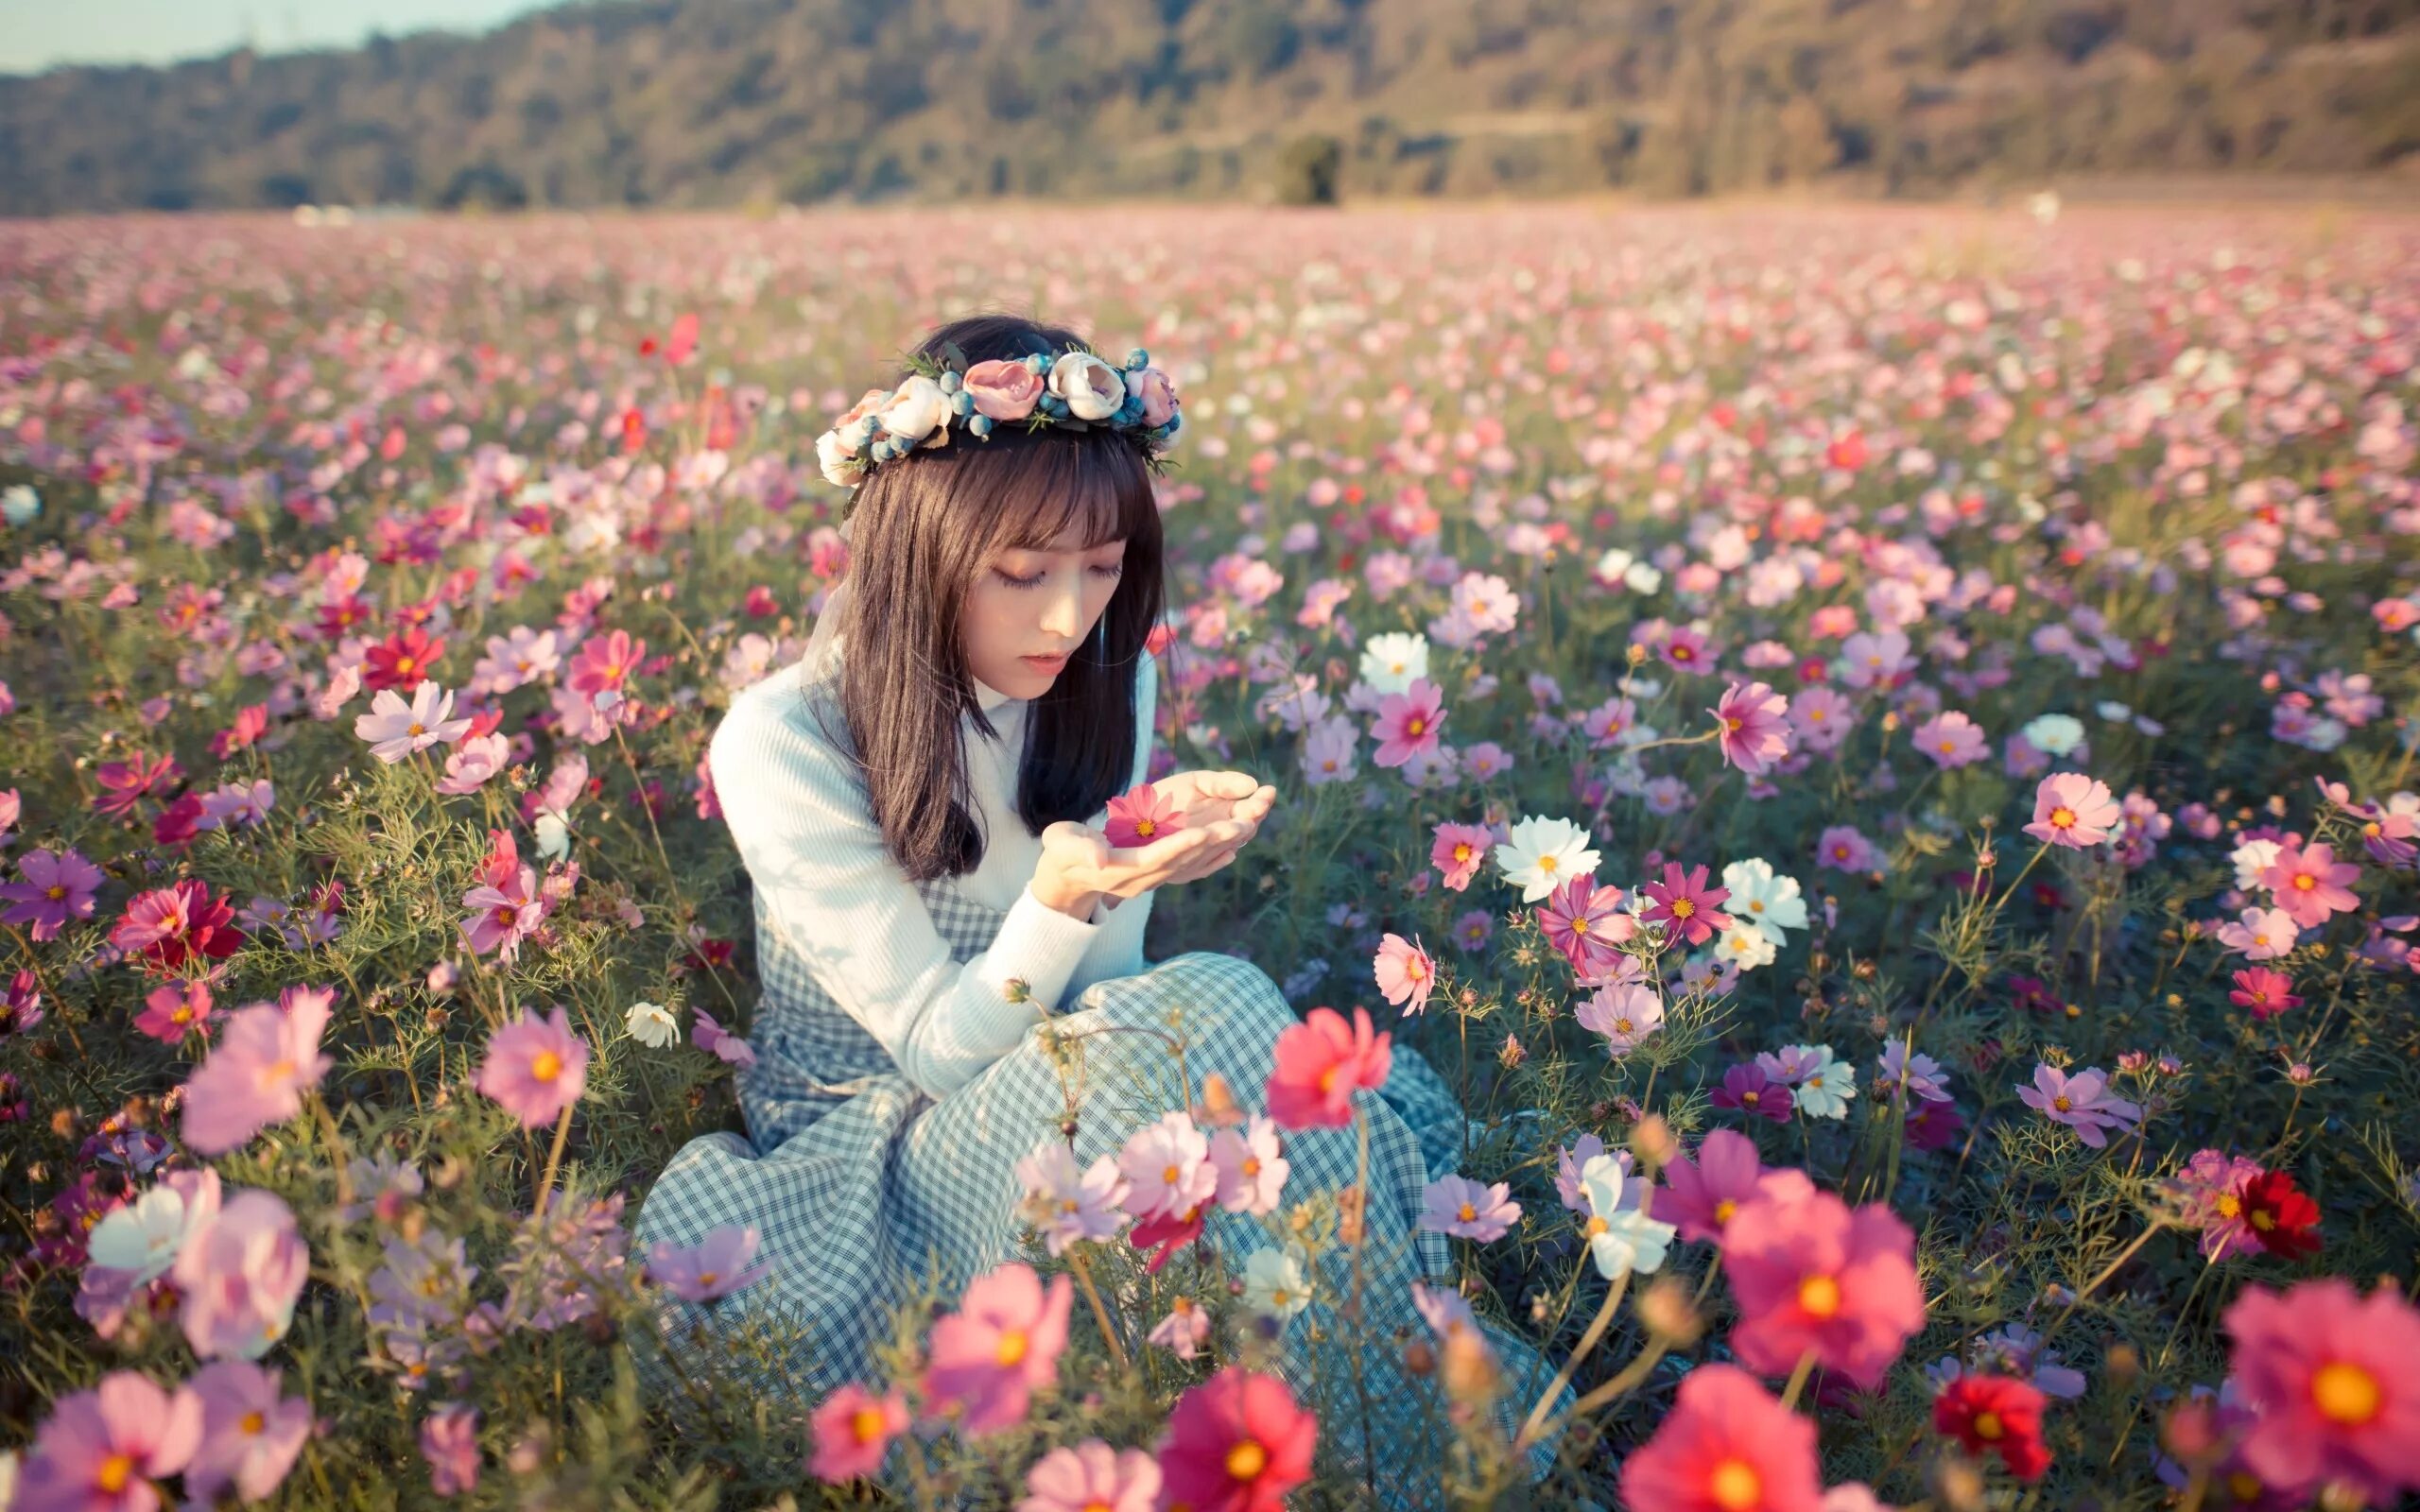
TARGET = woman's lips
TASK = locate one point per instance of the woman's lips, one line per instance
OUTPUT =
(1046, 663)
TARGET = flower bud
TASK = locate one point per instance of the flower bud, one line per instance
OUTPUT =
(1652, 1141)
(1669, 1314)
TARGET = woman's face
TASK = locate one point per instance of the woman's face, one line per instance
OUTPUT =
(1034, 604)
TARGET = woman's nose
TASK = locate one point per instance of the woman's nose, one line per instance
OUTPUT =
(1065, 616)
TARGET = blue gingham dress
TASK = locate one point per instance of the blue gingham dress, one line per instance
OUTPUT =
(860, 1185)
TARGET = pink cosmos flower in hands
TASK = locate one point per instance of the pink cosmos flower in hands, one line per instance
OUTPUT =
(2082, 1102)
(1405, 973)
(103, 1448)
(1684, 902)
(266, 1060)
(1753, 723)
(57, 887)
(1465, 1209)
(723, 1263)
(535, 1067)
(2073, 811)
(1811, 1273)
(250, 1431)
(1727, 1446)
(1092, 1477)
(1409, 723)
(2335, 1379)
(853, 1430)
(1001, 1346)
(2310, 883)
(1458, 852)
(1141, 815)
(1319, 1062)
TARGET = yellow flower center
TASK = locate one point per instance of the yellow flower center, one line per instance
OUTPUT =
(2345, 1393)
(1723, 1209)
(1011, 1346)
(867, 1424)
(1246, 1461)
(418, 728)
(2063, 818)
(1251, 1165)
(1595, 1225)
(56, 892)
(1735, 1486)
(2230, 1206)
(1466, 1213)
(2062, 1104)
(1988, 1427)
(2244, 1485)
(707, 1278)
(254, 1423)
(1684, 907)
(1461, 852)
(2305, 882)
(1546, 863)
(115, 1471)
(1146, 827)
(1327, 1078)
(546, 1066)
(1415, 725)
(1819, 1296)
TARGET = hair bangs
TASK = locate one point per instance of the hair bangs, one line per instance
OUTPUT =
(1093, 488)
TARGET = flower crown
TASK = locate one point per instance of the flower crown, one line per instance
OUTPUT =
(1075, 390)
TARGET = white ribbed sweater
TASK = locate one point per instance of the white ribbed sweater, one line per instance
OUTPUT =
(797, 809)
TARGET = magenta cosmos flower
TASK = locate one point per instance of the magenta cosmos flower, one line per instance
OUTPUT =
(2082, 1102)
(1409, 723)
(103, 1449)
(1812, 1275)
(1002, 1344)
(2074, 810)
(1092, 1477)
(1405, 973)
(1727, 1446)
(1752, 726)
(57, 888)
(1584, 920)
(266, 1060)
(449, 1442)
(1465, 1209)
(172, 925)
(2266, 992)
(536, 1068)
(1702, 1197)
(1747, 1088)
(1141, 815)
(2335, 1378)
(1236, 1443)
(853, 1432)
(710, 1270)
(2310, 883)
(1684, 902)
(1457, 850)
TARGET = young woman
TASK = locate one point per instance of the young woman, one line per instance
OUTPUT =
(921, 806)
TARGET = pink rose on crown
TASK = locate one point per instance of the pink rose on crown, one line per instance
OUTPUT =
(1157, 392)
(1003, 390)
(1091, 388)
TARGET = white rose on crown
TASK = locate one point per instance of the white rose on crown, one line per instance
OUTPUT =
(918, 410)
(1091, 388)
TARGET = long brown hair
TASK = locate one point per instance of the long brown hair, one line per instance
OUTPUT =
(924, 529)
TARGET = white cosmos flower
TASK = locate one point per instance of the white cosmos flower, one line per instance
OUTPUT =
(143, 1236)
(652, 1024)
(554, 836)
(1276, 1283)
(1390, 662)
(1771, 902)
(2250, 859)
(2054, 734)
(1745, 946)
(1540, 853)
(1620, 1240)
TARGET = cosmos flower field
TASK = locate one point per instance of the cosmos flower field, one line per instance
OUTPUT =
(1874, 748)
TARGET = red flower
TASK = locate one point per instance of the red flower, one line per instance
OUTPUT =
(2279, 1215)
(173, 925)
(126, 784)
(1236, 1443)
(402, 660)
(1166, 1234)
(1999, 1415)
(1319, 1062)
(338, 620)
(178, 822)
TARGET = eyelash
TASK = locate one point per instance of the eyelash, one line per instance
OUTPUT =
(1035, 581)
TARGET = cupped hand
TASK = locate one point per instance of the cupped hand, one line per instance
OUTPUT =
(1206, 796)
(1222, 811)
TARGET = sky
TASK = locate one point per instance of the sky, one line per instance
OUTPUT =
(39, 34)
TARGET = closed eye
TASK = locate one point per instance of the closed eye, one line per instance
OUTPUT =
(1113, 572)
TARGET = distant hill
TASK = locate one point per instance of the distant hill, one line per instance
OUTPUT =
(722, 102)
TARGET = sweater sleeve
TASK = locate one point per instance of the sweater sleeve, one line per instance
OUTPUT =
(797, 809)
(1118, 950)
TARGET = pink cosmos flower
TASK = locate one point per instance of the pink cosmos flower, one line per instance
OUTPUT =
(250, 1432)
(1842, 849)
(2082, 1102)
(1702, 1197)
(472, 762)
(1319, 1062)
(58, 887)
(1684, 902)
(1624, 1012)
(241, 1271)
(1092, 1477)
(1409, 723)
(2311, 883)
(2074, 810)
(1822, 716)
(1746, 1088)
(1001, 1346)
(1952, 740)
(1754, 726)
(853, 1432)
(174, 1011)
(1236, 1443)
(449, 1442)
(103, 1448)
(125, 785)
(1405, 973)
(1167, 1166)
(1139, 817)
(711, 1037)
(1727, 1446)
(396, 730)
(713, 1268)
(1584, 920)
(1455, 1204)
(535, 1067)
(605, 663)
(1252, 1166)
(2266, 992)
(266, 1060)
(172, 925)
(1185, 1330)
(1066, 1203)
(1458, 852)
(2261, 935)
(1685, 650)
(502, 913)
(2335, 1378)
(1811, 1273)
(2211, 1189)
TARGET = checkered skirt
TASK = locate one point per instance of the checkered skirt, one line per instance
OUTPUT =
(865, 1192)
